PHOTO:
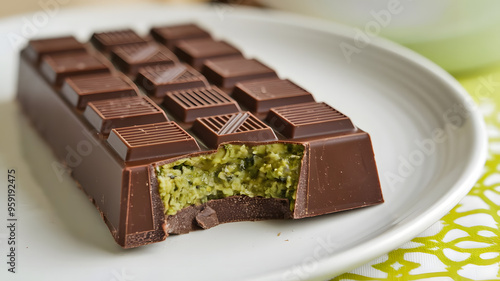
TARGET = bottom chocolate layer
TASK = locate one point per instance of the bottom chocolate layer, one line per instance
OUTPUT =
(229, 209)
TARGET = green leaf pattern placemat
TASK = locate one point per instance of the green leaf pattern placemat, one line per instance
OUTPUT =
(464, 244)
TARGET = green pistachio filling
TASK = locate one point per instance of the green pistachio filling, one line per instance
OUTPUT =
(269, 171)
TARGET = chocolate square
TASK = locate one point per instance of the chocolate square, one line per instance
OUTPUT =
(55, 68)
(196, 52)
(105, 115)
(159, 79)
(334, 169)
(342, 175)
(170, 35)
(187, 105)
(242, 126)
(131, 58)
(82, 89)
(226, 72)
(151, 141)
(37, 48)
(308, 119)
(105, 41)
(260, 95)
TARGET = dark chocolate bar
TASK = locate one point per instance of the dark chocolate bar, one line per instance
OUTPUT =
(177, 153)
(123, 112)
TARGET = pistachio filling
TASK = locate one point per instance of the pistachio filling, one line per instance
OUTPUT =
(269, 171)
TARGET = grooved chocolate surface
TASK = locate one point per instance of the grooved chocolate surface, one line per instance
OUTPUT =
(130, 58)
(37, 48)
(259, 96)
(159, 79)
(226, 72)
(170, 35)
(151, 141)
(57, 67)
(308, 119)
(80, 90)
(115, 113)
(187, 105)
(196, 52)
(243, 126)
(105, 41)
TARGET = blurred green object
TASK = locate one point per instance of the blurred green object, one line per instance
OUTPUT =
(458, 35)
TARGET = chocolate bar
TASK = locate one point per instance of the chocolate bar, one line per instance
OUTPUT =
(167, 149)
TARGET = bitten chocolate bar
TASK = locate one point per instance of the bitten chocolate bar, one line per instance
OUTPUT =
(187, 133)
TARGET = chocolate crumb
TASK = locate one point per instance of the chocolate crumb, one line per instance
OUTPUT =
(207, 218)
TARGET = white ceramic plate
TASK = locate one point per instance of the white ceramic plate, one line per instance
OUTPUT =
(400, 98)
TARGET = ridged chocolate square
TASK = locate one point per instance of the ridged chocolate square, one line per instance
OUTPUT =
(242, 126)
(260, 95)
(57, 67)
(159, 79)
(37, 48)
(187, 105)
(105, 41)
(196, 52)
(226, 72)
(308, 119)
(151, 141)
(130, 58)
(80, 90)
(123, 112)
(170, 35)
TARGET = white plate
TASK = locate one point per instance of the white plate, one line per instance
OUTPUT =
(397, 96)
